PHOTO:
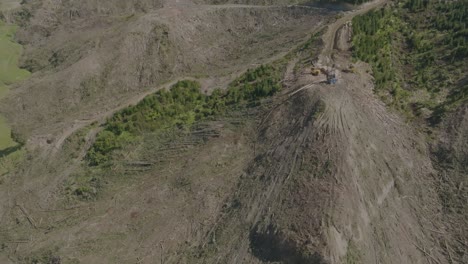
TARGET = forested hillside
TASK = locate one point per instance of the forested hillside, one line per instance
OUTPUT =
(418, 51)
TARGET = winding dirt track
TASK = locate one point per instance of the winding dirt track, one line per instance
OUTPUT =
(329, 36)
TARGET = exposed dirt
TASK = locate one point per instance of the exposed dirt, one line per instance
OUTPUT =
(319, 174)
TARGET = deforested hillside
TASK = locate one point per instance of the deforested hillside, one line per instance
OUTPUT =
(80, 61)
(286, 132)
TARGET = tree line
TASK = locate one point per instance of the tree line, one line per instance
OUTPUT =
(180, 107)
(414, 45)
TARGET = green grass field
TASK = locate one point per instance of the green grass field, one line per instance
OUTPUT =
(9, 74)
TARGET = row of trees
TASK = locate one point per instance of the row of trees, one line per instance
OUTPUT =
(372, 43)
(254, 85)
(180, 107)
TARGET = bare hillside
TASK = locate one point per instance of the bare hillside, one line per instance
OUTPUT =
(218, 132)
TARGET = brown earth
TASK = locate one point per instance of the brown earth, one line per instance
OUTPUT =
(319, 174)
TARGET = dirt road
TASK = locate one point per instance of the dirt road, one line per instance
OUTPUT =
(329, 36)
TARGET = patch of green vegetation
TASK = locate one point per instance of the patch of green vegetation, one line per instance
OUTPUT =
(9, 74)
(9, 55)
(254, 85)
(319, 108)
(373, 42)
(418, 52)
(5, 139)
(179, 108)
(353, 256)
(356, 2)
(75, 143)
(43, 256)
(84, 186)
(10, 162)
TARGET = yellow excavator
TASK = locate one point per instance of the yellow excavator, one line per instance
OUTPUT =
(331, 76)
(315, 71)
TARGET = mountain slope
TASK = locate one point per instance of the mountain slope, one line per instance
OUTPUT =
(277, 166)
